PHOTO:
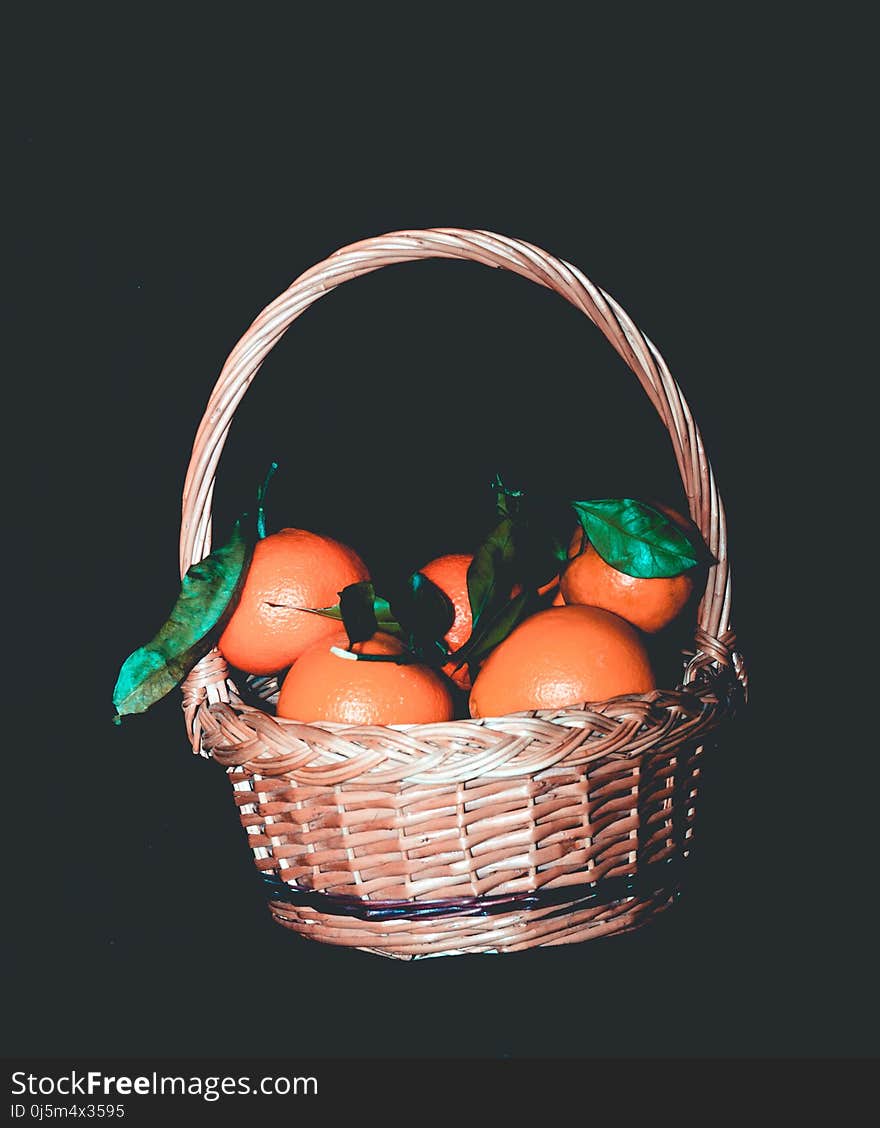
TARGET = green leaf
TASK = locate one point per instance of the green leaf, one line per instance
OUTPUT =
(489, 577)
(209, 593)
(637, 539)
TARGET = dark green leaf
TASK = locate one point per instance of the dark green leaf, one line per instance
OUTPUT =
(209, 593)
(508, 501)
(541, 531)
(540, 551)
(419, 612)
(556, 525)
(358, 615)
(522, 553)
(494, 629)
(426, 613)
(361, 598)
(637, 539)
(497, 627)
(489, 577)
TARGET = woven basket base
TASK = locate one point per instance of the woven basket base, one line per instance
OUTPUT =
(456, 936)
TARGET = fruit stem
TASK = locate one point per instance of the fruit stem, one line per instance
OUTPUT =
(407, 658)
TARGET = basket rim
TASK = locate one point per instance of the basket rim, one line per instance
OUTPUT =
(246, 738)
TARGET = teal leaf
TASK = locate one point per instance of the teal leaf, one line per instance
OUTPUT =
(208, 595)
(637, 539)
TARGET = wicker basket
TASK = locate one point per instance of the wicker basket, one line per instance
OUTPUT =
(489, 835)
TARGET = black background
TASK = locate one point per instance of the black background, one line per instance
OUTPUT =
(170, 187)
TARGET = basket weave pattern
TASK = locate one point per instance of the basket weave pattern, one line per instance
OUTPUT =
(476, 835)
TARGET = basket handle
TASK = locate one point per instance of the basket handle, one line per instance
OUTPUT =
(714, 639)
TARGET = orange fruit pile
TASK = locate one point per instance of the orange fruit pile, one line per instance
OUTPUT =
(588, 646)
(449, 573)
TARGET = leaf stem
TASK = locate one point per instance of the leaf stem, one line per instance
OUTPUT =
(261, 496)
